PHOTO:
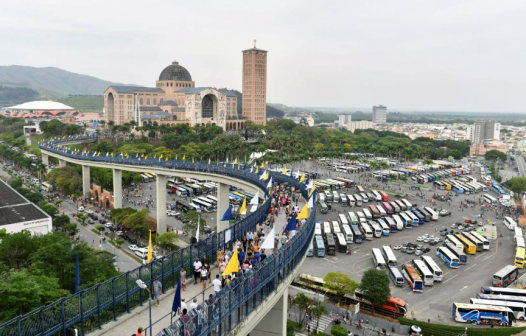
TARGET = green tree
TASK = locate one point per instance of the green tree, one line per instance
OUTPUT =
(456, 154)
(302, 302)
(168, 241)
(50, 209)
(190, 227)
(67, 179)
(139, 221)
(517, 184)
(427, 161)
(16, 249)
(317, 310)
(340, 283)
(61, 221)
(494, 154)
(119, 241)
(375, 286)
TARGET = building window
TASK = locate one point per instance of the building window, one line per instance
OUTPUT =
(154, 101)
(140, 101)
(148, 101)
(161, 101)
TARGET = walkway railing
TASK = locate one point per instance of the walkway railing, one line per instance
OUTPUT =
(91, 308)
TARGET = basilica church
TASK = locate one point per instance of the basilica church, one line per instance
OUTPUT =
(174, 100)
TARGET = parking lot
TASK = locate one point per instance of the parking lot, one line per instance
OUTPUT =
(459, 285)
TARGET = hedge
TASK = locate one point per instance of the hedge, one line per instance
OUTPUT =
(337, 330)
(449, 330)
(96, 231)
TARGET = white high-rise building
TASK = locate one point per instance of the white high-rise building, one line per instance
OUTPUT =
(483, 130)
(344, 119)
(379, 114)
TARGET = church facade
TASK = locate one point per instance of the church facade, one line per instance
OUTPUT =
(174, 100)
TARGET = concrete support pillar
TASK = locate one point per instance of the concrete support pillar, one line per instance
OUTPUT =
(61, 163)
(222, 204)
(161, 204)
(45, 160)
(117, 188)
(85, 180)
(28, 140)
(275, 322)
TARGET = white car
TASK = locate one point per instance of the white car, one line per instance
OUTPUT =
(397, 247)
(89, 211)
(453, 225)
(426, 235)
(419, 239)
(133, 247)
(119, 233)
(108, 224)
(80, 209)
(426, 240)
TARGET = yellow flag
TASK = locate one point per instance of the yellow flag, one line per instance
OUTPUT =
(235, 161)
(160, 157)
(192, 159)
(166, 159)
(150, 248)
(244, 206)
(257, 170)
(184, 156)
(304, 213)
(233, 264)
(311, 191)
(266, 176)
(302, 178)
(146, 157)
(284, 170)
(262, 164)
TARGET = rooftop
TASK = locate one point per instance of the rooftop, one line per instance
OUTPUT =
(41, 105)
(132, 89)
(14, 208)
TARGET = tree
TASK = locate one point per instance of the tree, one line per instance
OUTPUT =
(66, 178)
(456, 154)
(61, 221)
(494, 154)
(428, 161)
(302, 302)
(517, 184)
(340, 282)
(50, 209)
(375, 286)
(139, 221)
(317, 310)
(119, 241)
(168, 241)
(190, 227)
(16, 249)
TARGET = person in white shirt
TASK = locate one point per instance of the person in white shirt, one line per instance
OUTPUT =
(197, 270)
(183, 306)
(193, 305)
(217, 284)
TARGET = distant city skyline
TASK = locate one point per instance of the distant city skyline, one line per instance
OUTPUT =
(465, 55)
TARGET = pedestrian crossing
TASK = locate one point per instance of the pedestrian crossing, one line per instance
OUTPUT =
(325, 321)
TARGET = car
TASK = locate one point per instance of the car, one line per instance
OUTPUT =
(419, 239)
(405, 244)
(459, 223)
(426, 240)
(444, 213)
(397, 247)
(133, 247)
(420, 247)
(432, 243)
(410, 250)
(91, 221)
(438, 239)
(453, 225)
(426, 235)
(419, 252)
(140, 244)
(132, 240)
(102, 221)
(108, 224)
(443, 233)
(480, 224)
(119, 233)
(80, 209)
(403, 249)
(125, 237)
(89, 211)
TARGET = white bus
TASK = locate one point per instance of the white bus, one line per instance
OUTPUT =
(367, 231)
(367, 214)
(358, 199)
(326, 228)
(389, 256)
(518, 233)
(520, 242)
(212, 199)
(453, 243)
(408, 220)
(361, 217)
(413, 217)
(518, 308)
(438, 275)
(336, 227)
(203, 205)
(377, 195)
(382, 211)
(396, 276)
(317, 229)
(510, 223)
(399, 223)
(448, 257)
(378, 259)
(342, 219)
(489, 199)
(348, 234)
(408, 205)
(484, 241)
(352, 217)
(402, 205)
(385, 228)
(433, 213)
(377, 229)
(476, 314)
(352, 201)
(425, 273)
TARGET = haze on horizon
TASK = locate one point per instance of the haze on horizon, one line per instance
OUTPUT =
(464, 55)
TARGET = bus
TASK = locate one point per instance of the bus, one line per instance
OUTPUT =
(361, 217)
(341, 243)
(518, 233)
(197, 189)
(336, 197)
(342, 219)
(353, 218)
(395, 207)
(360, 189)
(503, 291)
(145, 178)
(449, 258)
(358, 200)
(469, 247)
(413, 217)
(377, 195)
(439, 185)
(427, 216)
(505, 276)
(389, 256)
(344, 200)
(326, 228)
(377, 229)
(385, 227)
(399, 222)
(352, 201)
(433, 213)
(408, 221)
(323, 207)
(425, 273)
(412, 278)
(330, 244)
(489, 199)
(357, 234)
(319, 246)
(388, 208)
(519, 257)
(378, 259)
(507, 298)
(475, 241)
(408, 205)
(367, 214)
(518, 308)
(510, 223)
(478, 314)
(317, 229)
(396, 276)
(447, 186)
(401, 204)
(520, 242)
(336, 227)
(383, 213)
(484, 241)
(347, 232)
(457, 248)
(367, 231)
(418, 214)
(203, 205)
(385, 197)
(438, 275)
(374, 211)
(151, 178)
(328, 197)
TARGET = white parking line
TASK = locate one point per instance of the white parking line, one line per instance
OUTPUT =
(471, 266)
(453, 277)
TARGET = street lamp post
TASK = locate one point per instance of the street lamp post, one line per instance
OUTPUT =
(142, 285)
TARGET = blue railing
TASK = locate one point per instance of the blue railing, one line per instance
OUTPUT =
(91, 308)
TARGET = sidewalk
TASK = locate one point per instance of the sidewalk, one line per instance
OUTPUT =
(139, 317)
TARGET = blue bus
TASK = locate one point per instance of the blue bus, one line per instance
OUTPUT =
(421, 218)
(357, 234)
(483, 314)
(448, 257)
(498, 189)
(456, 188)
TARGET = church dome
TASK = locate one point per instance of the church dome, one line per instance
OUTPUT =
(175, 72)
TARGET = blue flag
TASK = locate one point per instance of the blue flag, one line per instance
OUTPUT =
(291, 225)
(77, 275)
(228, 214)
(177, 298)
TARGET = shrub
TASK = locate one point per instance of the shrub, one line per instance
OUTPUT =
(99, 227)
(96, 231)
(337, 330)
(119, 241)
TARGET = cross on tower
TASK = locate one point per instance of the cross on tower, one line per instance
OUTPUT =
(254, 43)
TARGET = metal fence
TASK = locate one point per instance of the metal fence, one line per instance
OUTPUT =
(91, 308)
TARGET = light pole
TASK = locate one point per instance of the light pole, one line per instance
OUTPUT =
(142, 285)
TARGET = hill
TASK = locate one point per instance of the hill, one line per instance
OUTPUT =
(52, 82)
(84, 104)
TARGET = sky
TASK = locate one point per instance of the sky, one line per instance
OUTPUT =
(444, 55)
